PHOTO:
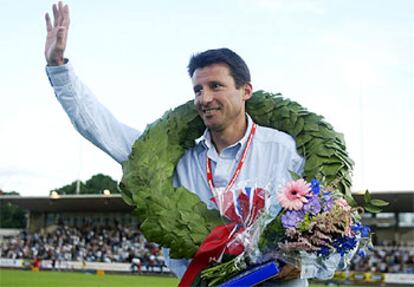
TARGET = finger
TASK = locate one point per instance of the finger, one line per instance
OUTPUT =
(55, 15)
(60, 13)
(66, 17)
(48, 23)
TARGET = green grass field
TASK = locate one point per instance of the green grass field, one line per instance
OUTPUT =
(20, 278)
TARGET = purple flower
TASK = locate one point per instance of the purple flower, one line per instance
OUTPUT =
(313, 206)
(315, 186)
(328, 202)
(292, 217)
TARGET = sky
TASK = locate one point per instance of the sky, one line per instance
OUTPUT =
(348, 60)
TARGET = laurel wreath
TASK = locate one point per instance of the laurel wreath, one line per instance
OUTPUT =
(175, 217)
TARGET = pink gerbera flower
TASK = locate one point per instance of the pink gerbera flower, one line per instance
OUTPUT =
(292, 195)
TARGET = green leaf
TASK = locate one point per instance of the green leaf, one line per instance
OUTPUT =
(284, 113)
(293, 117)
(379, 202)
(351, 201)
(367, 196)
(325, 152)
(305, 224)
(372, 209)
(300, 141)
(127, 197)
(294, 175)
(312, 162)
(300, 123)
(311, 127)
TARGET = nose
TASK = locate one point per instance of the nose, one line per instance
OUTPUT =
(205, 97)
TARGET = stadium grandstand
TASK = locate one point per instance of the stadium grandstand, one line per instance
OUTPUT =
(100, 232)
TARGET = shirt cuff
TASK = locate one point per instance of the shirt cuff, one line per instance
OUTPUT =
(59, 75)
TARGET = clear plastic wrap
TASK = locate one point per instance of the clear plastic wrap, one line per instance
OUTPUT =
(306, 225)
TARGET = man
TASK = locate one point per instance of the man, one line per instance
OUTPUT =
(221, 84)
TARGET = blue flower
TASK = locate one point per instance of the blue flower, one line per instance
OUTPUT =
(313, 206)
(324, 251)
(362, 253)
(315, 186)
(344, 244)
(363, 229)
(292, 217)
(356, 227)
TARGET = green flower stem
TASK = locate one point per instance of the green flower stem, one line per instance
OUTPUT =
(223, 271)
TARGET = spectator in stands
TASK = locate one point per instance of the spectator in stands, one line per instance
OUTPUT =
(123, 244)
(136, 265)
(93, 244)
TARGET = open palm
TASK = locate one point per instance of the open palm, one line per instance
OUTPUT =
(57, 34)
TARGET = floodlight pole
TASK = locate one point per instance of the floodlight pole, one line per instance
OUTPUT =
(78, 186)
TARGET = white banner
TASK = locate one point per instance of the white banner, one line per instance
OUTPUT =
(80, 266)
(400, 278)
(7, 262)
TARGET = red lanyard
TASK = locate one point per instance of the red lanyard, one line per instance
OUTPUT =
(239, 166)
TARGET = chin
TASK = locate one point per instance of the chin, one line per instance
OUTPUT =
(214, 127)
(213, 123)
(208, 124)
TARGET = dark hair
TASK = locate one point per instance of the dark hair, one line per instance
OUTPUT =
(238, 68)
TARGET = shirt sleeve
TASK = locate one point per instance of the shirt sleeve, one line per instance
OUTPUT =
(90, 118)
(297, 163)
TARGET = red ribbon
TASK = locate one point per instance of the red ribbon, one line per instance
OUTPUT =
(211, 249)
(217, 242)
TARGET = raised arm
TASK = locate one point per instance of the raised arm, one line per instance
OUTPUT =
(90, 118)
(57, 34)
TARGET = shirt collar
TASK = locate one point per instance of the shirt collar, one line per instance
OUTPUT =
(205, 139)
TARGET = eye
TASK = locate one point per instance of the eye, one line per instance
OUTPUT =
(216, 86)
(198, 91)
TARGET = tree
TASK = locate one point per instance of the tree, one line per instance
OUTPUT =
(11, 216)
(68, 189)
(100, 182)
(95, 185)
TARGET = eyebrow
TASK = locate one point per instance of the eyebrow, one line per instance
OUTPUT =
(198, 87)
(216, 82)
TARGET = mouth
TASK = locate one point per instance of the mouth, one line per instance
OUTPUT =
(208, 111)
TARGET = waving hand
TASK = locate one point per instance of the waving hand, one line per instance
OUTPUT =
(57, 34)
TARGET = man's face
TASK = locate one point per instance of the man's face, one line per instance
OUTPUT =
(219, 103)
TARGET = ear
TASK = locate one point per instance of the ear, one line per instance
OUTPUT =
(248, 91)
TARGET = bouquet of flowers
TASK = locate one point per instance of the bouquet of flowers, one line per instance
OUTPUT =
(303, 223)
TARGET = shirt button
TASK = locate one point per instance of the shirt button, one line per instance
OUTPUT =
(220, 183)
